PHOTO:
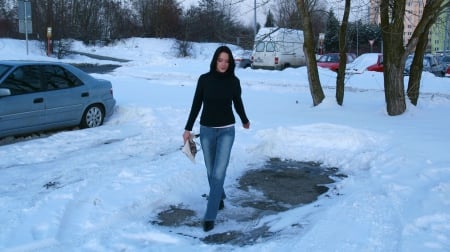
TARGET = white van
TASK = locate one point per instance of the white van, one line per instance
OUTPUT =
(278, 48)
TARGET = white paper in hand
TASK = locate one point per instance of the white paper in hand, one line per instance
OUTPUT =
(190, 149)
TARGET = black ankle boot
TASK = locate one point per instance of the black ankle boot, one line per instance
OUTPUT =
(221, 205)
(208, 225)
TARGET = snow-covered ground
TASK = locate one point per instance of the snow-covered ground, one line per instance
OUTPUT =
(98, 189)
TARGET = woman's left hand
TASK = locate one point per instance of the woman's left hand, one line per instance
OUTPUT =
(186, 136)
(246, 125)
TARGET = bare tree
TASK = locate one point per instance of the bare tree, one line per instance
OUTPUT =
(392, 14)
(432, 10)
(118, 21)
(342, 54)
(159, 18)
(305, 8)
(6, 20)
(287, 14)
(212, 21)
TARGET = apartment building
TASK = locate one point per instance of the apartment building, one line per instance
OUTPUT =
(438, 39)
(440, 34)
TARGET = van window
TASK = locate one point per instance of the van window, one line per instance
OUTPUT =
(260, 47)
(270, 47)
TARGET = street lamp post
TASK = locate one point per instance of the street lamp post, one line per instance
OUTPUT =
(254, 18)
(321, 40)
(371, 41)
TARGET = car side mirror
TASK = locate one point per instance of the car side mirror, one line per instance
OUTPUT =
(5, 92)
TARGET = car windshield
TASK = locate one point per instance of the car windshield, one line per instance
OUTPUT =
(244, 54)
(4, 69)
(329, 58)
(446, 59)
(426, 62)
(247, 54)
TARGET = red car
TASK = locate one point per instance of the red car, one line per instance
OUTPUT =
(331, 60)
(377, 67)
(447, 74)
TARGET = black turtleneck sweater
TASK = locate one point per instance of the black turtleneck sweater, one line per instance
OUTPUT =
(216, 91)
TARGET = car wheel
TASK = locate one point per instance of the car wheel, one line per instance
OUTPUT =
(287, 65)
(92, 117)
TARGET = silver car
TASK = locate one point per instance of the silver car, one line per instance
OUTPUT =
(37, 96)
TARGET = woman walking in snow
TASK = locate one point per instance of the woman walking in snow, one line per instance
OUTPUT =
(216, 91)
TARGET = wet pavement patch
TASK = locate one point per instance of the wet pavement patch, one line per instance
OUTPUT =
(277, 186)
(177, 216)
(286, 184)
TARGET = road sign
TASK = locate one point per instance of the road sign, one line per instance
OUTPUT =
(23, 29)
(24, 14)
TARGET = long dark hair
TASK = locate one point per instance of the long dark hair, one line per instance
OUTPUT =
(219, 50)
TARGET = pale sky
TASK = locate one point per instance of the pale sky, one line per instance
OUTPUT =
(246, 9)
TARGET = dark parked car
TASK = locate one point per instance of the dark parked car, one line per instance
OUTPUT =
(243, 58)
(331, 60)
(444, 59)
(430, 64)
(38, 96)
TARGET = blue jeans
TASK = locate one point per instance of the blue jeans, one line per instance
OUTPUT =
(216, 146)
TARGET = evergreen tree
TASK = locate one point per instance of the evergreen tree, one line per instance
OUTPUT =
(358, 36)
(270, 21)
(2, 9)
(331, 42)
